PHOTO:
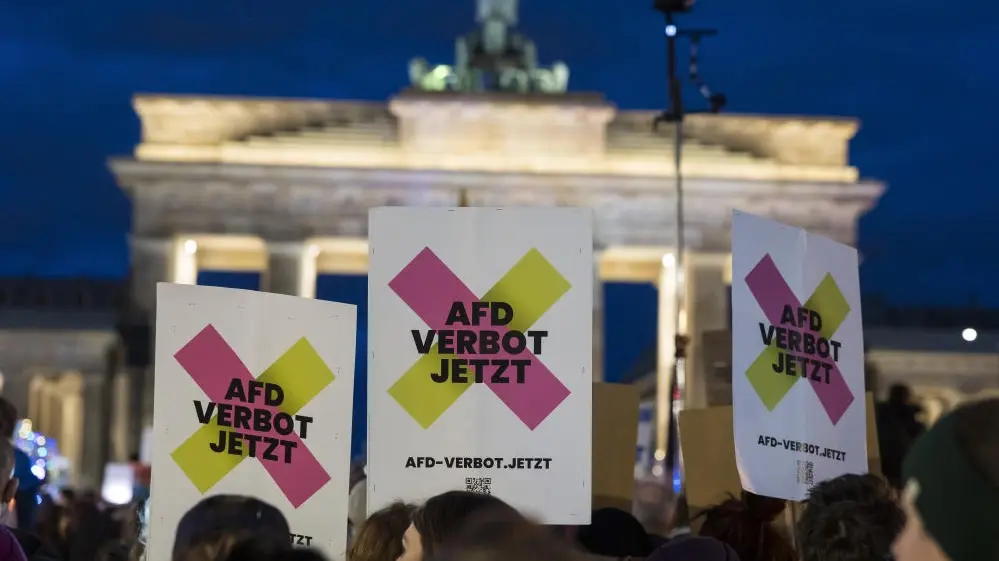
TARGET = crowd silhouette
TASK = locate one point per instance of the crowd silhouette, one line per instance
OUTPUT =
(941, 503)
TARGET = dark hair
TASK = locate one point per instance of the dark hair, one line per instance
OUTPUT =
(444, 516)
(976, 429)
(899, 394)
(497, 539)
(254, 549)
(613, 532)
(211, 528)
(849, 518)
(380, 536)
(746, 525)
(8, 417)
(7, 459)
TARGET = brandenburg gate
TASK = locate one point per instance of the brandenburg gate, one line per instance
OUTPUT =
(283, 187)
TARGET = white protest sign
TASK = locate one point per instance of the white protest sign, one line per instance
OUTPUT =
(798, 359)
(254, 393)
(479, 376)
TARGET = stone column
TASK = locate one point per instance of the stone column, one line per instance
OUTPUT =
(184, 264)
(150, 264)
(291, 269)
(598, 325)
(124, 424)
(160, 260)
(94, 407)
(707, 308)
(665, 351)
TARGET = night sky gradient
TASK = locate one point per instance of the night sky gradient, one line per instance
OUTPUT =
(916, 75)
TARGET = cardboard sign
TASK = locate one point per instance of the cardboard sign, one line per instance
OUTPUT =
(797, 358)
(708, 445)
(615, 427)
(480, 377)
(253, 396)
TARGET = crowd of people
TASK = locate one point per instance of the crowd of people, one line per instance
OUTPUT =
(943, 506)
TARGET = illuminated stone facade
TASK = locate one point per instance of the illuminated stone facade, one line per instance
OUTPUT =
(284, 187)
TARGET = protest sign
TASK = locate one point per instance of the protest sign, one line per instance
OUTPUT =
(253, 396)
(797, 358)
(479, 377)
(615, 427)
(708, 445)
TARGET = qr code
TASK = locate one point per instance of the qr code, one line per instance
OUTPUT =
(806, 473)
(480, 485)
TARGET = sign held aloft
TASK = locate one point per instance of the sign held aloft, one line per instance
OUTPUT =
(271, 381)
(798, 358)
(480, 374)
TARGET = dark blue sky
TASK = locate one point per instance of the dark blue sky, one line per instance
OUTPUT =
(914, 73)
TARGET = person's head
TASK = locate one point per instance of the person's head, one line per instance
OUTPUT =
(503, 540)
(747, 526)
(849, 518)
(694, 548)
(951, 496)
(253, 549)
(444, 516)
(8, 418)
(899, 394)
(613, 532)
(379, 538)
(8, 483)
(209, 530)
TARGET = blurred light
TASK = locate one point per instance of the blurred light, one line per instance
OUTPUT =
(190, 247)
(42, 452)
(24, 431)
(657, 470)
(969, 335)
(38, 471)
(40, 440)
(668, 260)
(118, 482)
(660, 455)
(671, 31)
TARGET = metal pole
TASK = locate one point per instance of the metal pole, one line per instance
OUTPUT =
(678, 276)
(664, 387)
(676, 377)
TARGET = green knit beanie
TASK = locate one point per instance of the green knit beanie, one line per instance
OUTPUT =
(959, 507)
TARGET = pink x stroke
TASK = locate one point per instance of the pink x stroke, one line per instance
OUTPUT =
(772, 293)
(429, 288)
(212, 364)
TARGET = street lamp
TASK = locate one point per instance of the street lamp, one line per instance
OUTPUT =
(674, 114)
(969, 335)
